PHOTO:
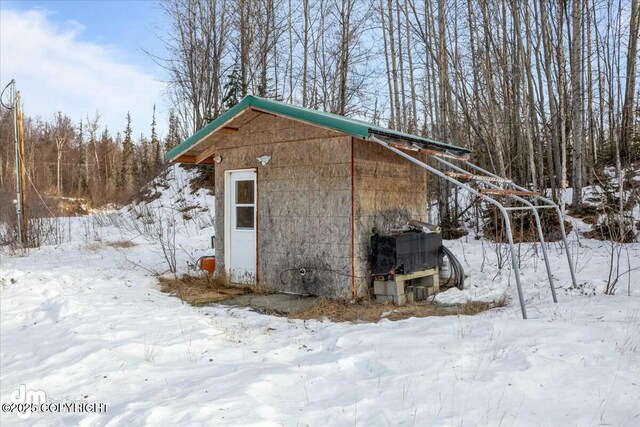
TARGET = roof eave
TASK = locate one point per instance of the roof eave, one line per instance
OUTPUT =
(338, 123)
(207, 130)
(437, 145)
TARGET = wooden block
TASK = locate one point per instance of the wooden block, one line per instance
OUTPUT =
(416, 274)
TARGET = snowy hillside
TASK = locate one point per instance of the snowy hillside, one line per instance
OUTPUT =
(169, 213)
(85, 320)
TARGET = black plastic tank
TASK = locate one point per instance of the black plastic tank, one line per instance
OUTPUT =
(405, 252)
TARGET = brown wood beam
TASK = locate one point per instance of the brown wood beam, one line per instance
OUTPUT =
(263, 112)
(227, 130)
(441, 154)
(206, 154)
(193, 160)
(405, 147)
(415, 148)
(495, 192)
(476, 177)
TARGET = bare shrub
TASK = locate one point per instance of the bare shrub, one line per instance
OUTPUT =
(163, 231)
(159, 226)
(616, 228)
(523, 225)
(41, 231)
(46, 230)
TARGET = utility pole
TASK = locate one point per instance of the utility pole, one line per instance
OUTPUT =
(23, 171)
(21, 174)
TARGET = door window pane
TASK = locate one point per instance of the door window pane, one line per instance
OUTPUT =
(244, 192)
(244, 217)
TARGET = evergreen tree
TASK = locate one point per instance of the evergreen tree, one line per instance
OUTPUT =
(103, 170)
(128, 161)
(143, 159)
(232, 89)
(81, 162)
(155, 145)
(173, 135)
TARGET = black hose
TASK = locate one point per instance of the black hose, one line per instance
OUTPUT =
(457, 272)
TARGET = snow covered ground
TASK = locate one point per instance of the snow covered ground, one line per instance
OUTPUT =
(85, 320)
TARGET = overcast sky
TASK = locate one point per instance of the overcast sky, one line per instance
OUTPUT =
(80, 57)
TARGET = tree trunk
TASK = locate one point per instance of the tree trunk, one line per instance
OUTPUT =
(630, 87)
(577, 103)
(305, 52)
(562, 90)
(392, 116)
(58, 178)
(394, 71)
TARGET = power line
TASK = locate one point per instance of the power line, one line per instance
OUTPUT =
(2, 94)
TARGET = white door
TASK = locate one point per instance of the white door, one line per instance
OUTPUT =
(240, 224)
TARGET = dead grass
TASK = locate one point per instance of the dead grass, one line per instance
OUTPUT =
(370, 310)
(203, 290)
(200, 290)
(121, 244)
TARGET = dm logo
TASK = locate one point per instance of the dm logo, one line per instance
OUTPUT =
(27, 399)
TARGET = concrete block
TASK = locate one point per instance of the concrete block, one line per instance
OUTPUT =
(436, 283)
(384, 287)
(399, 299)
(380, 287)
(420, 293)
(384, 298)
(410, 298)
(395, 288)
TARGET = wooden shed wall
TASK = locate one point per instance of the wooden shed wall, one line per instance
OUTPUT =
(304, 203)
(388, 192)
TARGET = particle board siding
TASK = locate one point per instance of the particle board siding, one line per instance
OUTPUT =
(266, 129)
(304, 204)
(388, 192)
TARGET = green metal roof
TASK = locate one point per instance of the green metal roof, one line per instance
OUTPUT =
(353, 127)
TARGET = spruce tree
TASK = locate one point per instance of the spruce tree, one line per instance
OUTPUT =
(80, 166)
(173, 135)
(128, 161)
(155, 145)
(232, 89)
(105, 175)
(143, 159)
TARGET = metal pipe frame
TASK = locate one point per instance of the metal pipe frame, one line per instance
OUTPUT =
(524, 208)
(548, 203)
(529, 207)
(501, 208)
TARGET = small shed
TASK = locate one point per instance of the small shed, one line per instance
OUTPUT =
(299, 191)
